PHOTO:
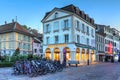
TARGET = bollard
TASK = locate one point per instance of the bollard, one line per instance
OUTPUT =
(88, 62)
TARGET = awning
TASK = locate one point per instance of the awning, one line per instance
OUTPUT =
(85, 46)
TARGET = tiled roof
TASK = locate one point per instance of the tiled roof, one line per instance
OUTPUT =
(14, 27)
(77, 11)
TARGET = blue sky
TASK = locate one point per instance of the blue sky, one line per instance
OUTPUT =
(31, 12)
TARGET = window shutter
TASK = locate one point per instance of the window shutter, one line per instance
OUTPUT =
(75, 23)
(44, 29)
(79, 25)
(62, 24)
(49, 27)
(62, 39)
(69, 24)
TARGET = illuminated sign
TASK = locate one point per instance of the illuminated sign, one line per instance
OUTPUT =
(110, 48)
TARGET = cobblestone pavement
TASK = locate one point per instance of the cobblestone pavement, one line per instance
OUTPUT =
(101, 71)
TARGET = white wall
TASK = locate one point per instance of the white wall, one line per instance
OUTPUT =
(61, 33)
(83, 37)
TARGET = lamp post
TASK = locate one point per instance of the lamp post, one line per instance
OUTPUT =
(64, 57)
(119, 52)
(112, 60)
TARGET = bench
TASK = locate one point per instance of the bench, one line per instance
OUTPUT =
(73, 62)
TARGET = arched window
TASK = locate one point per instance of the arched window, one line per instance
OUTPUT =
(56, 15)
(48, 53)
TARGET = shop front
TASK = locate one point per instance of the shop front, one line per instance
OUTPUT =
(66, 52)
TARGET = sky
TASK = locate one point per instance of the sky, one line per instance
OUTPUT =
(31, 12)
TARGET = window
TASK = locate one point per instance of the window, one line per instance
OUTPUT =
(41, 51)
(28, 39)
(97, 46)
(83, 28)
(0, 45)
(92, 32)
(87, 30)
(56, 39)
(87, 41)
(24, 38)
(47, 39)
(105, 41)
(78, 25)
(66, 24)
(24, 46)
(4, 44)
(35, 50)
(28, 46)
(105, 48)
(96, 38)
(66, 38)
(78, 39)
(4, 37)
(47, 28)
(19, 36)
(0, 37)
(56, 25)
(56, 15)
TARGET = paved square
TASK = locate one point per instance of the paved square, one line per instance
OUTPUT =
(102, 71)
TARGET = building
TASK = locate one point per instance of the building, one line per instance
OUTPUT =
(38, 45)
(13, 36)
(100, 46)
(69, 34)
(112, 41)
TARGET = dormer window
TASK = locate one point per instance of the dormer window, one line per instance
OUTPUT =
(56, 15)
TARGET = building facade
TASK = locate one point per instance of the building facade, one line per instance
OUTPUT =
(69, 34)
(37, 47)
(100, 46)
(13, 36)
(112, 41)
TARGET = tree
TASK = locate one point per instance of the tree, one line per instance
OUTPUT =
(17, 52)
(25, 26)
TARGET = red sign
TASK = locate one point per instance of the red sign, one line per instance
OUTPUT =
(110, 48)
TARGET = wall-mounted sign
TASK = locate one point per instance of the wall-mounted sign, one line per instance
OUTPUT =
(57, 45)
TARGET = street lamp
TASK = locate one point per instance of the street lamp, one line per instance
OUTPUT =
(112, 60)
(119, 52)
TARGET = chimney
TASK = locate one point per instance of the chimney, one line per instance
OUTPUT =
(5, 22)
(83, 14)
(12, 20)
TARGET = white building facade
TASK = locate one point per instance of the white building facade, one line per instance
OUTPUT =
(66, 32)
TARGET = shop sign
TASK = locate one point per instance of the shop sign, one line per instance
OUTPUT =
(57, 45)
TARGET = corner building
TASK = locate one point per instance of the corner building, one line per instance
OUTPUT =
(69, 31)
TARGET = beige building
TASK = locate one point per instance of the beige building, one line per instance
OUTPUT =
(13, 36)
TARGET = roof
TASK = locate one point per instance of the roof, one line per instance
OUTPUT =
(14, 27)
(102, 34)
(75, 10)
